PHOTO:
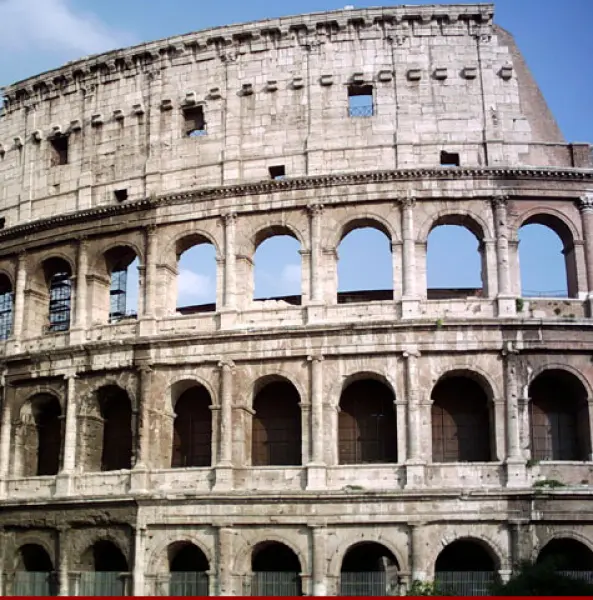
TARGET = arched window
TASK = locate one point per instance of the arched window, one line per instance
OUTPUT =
(196, 275)
(106, 571)
(277, 266)
(192, 428)
(34, 575)
(365, 244)
(276, 435)
(559, 417)
(116, 438)
(460, 421)
(6, 307)
(369, 569)
(367, 431)
(58, 278)
(568, 556)
(276, 571)
(547, 258)
(188, 567)
(122, 265)
(465, 568)
(455, 262)
(41, 436)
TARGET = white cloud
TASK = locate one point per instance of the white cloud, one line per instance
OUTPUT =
(194, 287)
(54, 26)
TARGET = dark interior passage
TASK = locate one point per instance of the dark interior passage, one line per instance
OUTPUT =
(186, 557)
(567, 555)
(275, 557)
(464, 555)
(368, 556)
(192, 429)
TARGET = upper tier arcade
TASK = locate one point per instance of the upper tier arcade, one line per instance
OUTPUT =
(343, 91)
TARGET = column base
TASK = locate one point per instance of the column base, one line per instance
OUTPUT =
(77, 336)
(516, 469)
(139, 483)
(314, 313)
(415, 474)
(316, 479)
(64, 484)
(319, 588)
(146, 326)
(227, 318)
(506, 306)
(223, 478)
(410, 308)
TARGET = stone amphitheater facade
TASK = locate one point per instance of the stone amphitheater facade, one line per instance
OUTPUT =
(278, 460)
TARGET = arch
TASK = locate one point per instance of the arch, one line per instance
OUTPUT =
(530, 253)
(471, 221)
(33, 558)
(186, 239)
(188, 568)
(461, 417)
(34, 574)
(567, 554)
(355, 282)
(368, 569)
(6, 305)
(367, 424)
(559, 416)
(558, 366)
(57, 272)
(39, 435)
(368, 220)
(274, 229)
(104, 563)
(276, 570)
(158, 555)
(472, 371)
(276, 423)
(192, 426)
(185, 379)
(117, 263)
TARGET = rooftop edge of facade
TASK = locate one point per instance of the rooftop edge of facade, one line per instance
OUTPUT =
(398, 19)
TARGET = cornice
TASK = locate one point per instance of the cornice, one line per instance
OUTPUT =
(294, 184)
(226, 43)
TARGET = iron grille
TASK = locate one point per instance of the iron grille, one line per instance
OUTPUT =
(6, 302)
(371, 583)
(105, 583)
(582, 575)
(464, 583)
(275, 583)
(188, 584)
(364, 110)
(553, 433)
(30, 583)
(60, 291)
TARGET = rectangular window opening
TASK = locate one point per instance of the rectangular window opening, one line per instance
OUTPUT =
(360, 101)
(195, 123)
(121, 195)
(449, 159)
(278, 172)
(2, 222)
(59, 150)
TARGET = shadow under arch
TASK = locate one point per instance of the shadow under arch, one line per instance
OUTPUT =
(276, 570)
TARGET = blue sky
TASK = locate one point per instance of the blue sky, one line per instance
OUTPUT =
(555, 38)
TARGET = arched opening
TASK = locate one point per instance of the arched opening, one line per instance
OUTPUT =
(569, 557)
(276, 434)
(40, 436)
(188, 568)
(367, 428)
(58, 278)
(465, 568)
(365, 243)
(547, 258)
(455, 261)
(369, 569)
(276, 571)
(559, 414)
(6, 307)
(117, 437)
(196, 275)
(192, 428)
(461, 430)
(34, 575)
(277, 267)
(121, 264)
(106, 571)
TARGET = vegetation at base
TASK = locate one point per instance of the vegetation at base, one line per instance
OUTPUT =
(423, 588)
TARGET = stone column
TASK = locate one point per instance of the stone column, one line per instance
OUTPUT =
(69, 459)
(401, 415)
(516, 466)
(139, 475)
(80, 316)
(19, 297)
(315, 212)
(410, 302)
(64, 566)
(230, 221)
(5, 433)
(139, 552)
(224, 468)
(318, 572)
(417, 563)
(490, 268)
(225, 561)
(150, 259)
(396, 266)
(316, 471)
(415, 465)
(586, 208)
(506, 300)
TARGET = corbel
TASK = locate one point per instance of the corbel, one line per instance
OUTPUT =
(96, 120)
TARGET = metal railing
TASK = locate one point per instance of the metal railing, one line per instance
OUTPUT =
(464, 583)
(544, 294)
(35, 583)
(582, 575)
(104, 583)
(274, 583)
(188, 584)
(371, 583)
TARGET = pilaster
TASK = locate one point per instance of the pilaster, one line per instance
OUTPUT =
(316, 469)
(224, 467)
(410, 299)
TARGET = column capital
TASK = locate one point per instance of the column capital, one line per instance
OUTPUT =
(406, 201)
(228, 217)
(144, 368)
(585, 203)
(21, 257)
(315, 209)
(226, 364)
(499, 200)
(82, 240)
(411, 353)
(315, 358)
(151, 229)
(72, 374)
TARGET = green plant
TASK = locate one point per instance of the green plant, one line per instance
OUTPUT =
(532, 462)
(423, 588)
(439, 323)
(549, 483)
(519, 304)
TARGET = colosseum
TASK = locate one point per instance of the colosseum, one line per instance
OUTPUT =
(329, 443)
